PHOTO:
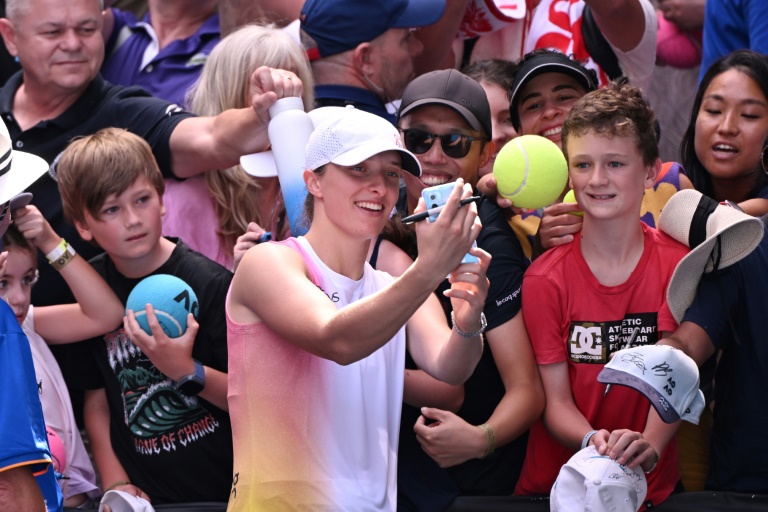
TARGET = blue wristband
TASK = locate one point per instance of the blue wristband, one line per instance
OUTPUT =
(587, 437)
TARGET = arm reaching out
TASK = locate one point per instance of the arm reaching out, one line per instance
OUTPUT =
(199, 144)
(353, 332)
(97, 310)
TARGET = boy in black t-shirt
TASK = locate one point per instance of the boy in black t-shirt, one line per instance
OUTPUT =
(156, 414)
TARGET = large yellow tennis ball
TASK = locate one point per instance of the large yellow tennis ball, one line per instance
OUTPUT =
(530, 171)
(570, 197)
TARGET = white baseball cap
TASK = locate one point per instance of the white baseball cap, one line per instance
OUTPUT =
(596, 483)
(664, 374)
(354, 136)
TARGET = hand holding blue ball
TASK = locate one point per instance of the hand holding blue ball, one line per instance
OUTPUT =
(172, 299)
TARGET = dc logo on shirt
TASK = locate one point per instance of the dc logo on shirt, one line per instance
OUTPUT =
(593, 342)
(585, 343)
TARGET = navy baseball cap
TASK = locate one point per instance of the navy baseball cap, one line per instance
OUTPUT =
(336, 26)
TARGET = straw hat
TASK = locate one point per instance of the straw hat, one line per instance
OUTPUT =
(718, 235)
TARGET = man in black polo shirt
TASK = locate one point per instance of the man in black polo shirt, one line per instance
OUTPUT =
(59, 95)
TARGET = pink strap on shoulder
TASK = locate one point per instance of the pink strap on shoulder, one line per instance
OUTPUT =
(314, 272)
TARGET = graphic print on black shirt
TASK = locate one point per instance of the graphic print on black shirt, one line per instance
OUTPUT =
(159, 417)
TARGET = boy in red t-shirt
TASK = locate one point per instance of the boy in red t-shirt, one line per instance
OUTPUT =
(600, 293)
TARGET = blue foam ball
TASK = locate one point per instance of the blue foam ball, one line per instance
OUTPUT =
(172, 298)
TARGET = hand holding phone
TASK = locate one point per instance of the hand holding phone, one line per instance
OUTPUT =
(437, 196)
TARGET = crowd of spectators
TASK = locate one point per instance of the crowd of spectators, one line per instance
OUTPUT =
(342, 369)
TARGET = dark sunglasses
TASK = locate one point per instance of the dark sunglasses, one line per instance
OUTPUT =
(455, 145)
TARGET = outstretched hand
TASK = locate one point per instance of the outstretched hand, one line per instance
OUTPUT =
(686, 14)
(469, 289)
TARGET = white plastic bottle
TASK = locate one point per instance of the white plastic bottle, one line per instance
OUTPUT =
(289, 131)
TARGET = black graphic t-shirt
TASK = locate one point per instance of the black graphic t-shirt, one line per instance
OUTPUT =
(175, 448)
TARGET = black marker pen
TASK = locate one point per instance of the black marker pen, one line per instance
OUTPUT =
(416, 217)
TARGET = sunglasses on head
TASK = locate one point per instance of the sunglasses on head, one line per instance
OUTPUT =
(455, 145)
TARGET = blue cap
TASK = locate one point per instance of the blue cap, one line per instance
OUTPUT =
(336, 26)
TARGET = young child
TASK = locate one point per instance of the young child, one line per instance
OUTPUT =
(96, 311)
(601, 292)
(150, 437)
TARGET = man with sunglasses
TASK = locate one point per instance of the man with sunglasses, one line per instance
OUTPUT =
(446, 122)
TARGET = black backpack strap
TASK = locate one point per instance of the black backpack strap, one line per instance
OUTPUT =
(597, 46)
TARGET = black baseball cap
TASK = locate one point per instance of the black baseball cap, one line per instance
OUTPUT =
(453, 89)
(549, 62)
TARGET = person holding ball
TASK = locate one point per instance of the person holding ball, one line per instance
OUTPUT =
(317, 338)
(156, 407)
(546, 86)
(602, 292)
(171, 299)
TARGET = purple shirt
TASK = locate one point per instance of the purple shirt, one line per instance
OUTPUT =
(172, 71)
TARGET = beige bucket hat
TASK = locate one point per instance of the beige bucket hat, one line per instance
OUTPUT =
(719, 235)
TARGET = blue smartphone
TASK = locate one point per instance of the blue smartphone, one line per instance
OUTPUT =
(438, 196)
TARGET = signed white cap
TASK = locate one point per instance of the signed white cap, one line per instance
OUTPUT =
(664, 374)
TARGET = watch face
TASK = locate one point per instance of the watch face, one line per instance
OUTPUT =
(191, 387)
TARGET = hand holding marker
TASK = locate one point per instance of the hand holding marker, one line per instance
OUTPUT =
(416, 217)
